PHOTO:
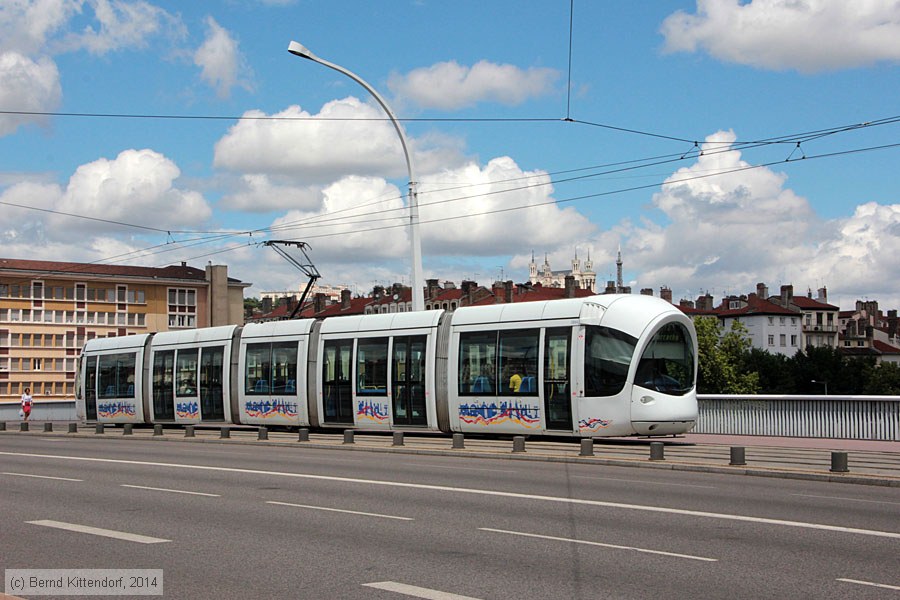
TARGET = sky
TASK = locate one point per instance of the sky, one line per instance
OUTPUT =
(718, 143)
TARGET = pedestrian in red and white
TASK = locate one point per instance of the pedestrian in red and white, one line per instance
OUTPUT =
(27, 402)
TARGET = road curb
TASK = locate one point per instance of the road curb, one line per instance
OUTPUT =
(672, 464)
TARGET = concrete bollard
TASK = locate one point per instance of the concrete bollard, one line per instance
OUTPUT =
(263, 433)
(737, 456)
(348, 436)
(157, 429)
(398, 438)
(23, 426)
(128, 429)
(2, 425)
(189, 431)
(587, 447)
(48, 427)
(98, 428)
(518, 443)
(459, 441)
(657, 451)
(839, 462)
(73, 427)
(225, 433)
(303, 435)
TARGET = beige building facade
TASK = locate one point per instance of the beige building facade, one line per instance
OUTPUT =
(48, 310)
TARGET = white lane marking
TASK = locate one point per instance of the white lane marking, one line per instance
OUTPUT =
(42, 476)
(846, 499)
(119, 535)
(351, 512)
(429, 466)
(156, 489)
(588, 543)
(708, 487)
(869, 583)
(480, 492)
(416, 591)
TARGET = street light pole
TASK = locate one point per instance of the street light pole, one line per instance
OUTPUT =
(418, 283)
(825, 383)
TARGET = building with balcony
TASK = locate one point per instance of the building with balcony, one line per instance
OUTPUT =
(49, 309)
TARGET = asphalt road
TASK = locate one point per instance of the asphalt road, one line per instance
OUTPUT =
(273, 522)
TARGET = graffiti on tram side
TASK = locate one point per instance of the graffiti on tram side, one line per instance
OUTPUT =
(111, 410)
(369, 410)
(592, 424)
(491, 414)
(265, 409)
(187, 410)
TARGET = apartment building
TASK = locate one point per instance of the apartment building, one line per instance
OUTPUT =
(49, 309)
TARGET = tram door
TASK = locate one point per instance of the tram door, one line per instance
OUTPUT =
(557, 399)
(336, 378)
(212, 407)
(163, 385)
(408, 376)
(90, 389)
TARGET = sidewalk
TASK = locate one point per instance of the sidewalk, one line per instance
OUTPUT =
(869, 462)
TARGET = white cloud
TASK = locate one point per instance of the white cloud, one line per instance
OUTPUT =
(450, 86)
(135, 187)
(222, 64)
(122, 24)
(359, 234)
(27, 85)
(25, 25)
(258, 193)
(346, 137)
(806, 35)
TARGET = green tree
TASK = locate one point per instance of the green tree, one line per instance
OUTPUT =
(722, 357)
(775, 371)
(884, 380)
(251, 304)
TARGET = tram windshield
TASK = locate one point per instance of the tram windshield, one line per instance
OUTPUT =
(667, 364)
(607, 356)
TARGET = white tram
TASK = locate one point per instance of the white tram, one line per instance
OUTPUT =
(611, 365)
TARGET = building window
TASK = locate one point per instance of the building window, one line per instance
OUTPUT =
(771, 340)
(794, 340)
(182, 308)
(782, 339)
(36, 364)
(771, 320)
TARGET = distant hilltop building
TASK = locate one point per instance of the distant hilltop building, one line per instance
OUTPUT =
(584, 274)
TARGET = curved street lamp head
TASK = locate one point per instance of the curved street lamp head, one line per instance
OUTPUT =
(418, 287)
(300, 50)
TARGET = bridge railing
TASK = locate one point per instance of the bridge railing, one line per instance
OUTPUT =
(846, 417)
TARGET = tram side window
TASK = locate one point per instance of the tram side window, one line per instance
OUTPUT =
(519, 362)
(667, 364)
(116, 377)
(271, 369)
(284, 368)
(372, 367)
(259, 368)
(186, 373)
(607, 356)
(477, 363)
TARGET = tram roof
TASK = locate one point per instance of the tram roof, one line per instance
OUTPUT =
(627, 312)
(272, 329)
(194, 336)
(382, 322)
(125, 342)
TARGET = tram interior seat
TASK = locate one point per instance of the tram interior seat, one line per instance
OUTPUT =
(130, 389)
(261, 386)
(290, 387)
(527, 386)
(481, 384)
